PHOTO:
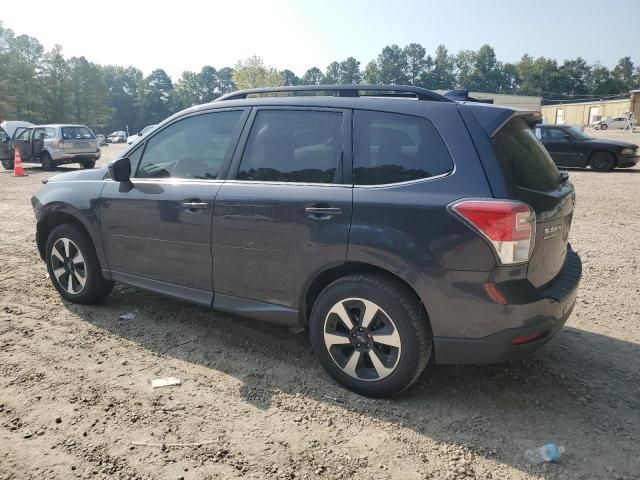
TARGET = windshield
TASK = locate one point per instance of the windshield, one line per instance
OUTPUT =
(577, 133)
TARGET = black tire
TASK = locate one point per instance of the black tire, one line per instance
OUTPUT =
(602, 161)
(399, 312)
(89, 164)
(7, 164)
(95, 287)
(604, 126)
(47, 162)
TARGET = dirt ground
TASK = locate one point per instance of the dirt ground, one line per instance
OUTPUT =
(76, 402)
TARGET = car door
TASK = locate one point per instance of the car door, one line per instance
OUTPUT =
(285, 212)
(6, 149)
(561, 147)
(156, 230)
(22, 141)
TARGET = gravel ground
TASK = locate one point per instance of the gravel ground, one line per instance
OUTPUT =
(75, 398)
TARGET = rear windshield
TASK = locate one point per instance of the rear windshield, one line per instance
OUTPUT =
(524, 158)
(77, 133)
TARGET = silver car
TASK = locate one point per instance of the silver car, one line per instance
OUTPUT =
(52, 145)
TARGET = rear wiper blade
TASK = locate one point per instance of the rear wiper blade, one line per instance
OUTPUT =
(562, 179)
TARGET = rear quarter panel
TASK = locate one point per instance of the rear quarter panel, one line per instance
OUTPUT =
(407, 230)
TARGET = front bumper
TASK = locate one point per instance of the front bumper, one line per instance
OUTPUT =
(626, 161)
(546, 316)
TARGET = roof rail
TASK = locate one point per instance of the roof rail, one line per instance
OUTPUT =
(343, 91)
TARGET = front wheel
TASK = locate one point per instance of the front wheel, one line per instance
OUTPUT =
(604, 126)
(73, 266)
(602, 162)
(370, 334)
(7, 164)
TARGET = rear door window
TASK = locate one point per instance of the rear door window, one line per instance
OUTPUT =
(393, 148)
(293, 146)
(4, 136)
(77, 133)
(524, 158)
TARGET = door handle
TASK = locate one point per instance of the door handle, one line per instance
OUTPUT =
(323, 211)
(194, 205)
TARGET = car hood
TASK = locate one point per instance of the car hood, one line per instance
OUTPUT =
(611, 143)
(97, 174)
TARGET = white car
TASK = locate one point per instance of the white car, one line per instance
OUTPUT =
(617, 122)
(134, 138)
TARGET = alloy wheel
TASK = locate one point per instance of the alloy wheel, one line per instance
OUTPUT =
(68, 265)
(362, 339)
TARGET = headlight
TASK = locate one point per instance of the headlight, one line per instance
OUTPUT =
(628, 151)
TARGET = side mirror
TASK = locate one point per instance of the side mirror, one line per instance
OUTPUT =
(120, 170)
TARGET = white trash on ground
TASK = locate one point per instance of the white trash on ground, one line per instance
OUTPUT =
(165, 382)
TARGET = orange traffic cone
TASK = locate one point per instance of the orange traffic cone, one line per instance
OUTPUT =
(18, 170)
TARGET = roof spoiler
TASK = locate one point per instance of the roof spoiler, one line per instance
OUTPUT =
(492, 118)
(463, 96)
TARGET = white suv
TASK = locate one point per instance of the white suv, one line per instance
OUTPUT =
(617, 122)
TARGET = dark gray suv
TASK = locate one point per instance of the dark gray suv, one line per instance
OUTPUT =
(395, 224)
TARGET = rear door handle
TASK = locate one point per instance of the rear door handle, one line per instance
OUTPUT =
(323, 211)
(194, 205)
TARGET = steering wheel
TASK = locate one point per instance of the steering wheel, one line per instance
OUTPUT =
(189, 167)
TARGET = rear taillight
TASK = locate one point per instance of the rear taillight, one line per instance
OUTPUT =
(58, 143)
(510, 227)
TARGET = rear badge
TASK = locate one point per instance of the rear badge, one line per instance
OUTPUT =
(551, 232)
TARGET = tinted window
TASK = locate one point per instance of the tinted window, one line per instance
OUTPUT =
(293, 146)
(523, 157)
(392, 148)
(195, 147)
(4, 137)
(77, 133)
(554, 134)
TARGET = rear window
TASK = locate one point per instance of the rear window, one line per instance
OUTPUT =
(77, 133)
(393, 148)
(524, 158)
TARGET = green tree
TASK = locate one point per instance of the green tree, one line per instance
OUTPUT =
(154, 98)
(623, 74)
(416, 62)
(465, 62)
(332, 74)
(252, 73)
(122, 87)
(289, 78)
(572, 76)
(600, 82)
(350, 71)
(225, 80)
(392, 66)
(313, 76)
(56, 78)
(442, 74)
(88, 94)
(371, 73)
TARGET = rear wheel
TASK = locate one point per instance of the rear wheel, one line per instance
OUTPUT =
(602, 161)
(7, 164)
(73, 266)
(370, 334)
(47, 162)
(88, 164)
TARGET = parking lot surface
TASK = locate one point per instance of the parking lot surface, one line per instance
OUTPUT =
(76, 399)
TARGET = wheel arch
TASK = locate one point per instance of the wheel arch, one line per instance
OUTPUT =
(59, 215)
(323, 278)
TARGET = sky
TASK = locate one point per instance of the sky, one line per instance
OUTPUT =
(187, 34)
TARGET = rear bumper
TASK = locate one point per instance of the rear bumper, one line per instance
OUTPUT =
(64, 157)
(545, 316)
